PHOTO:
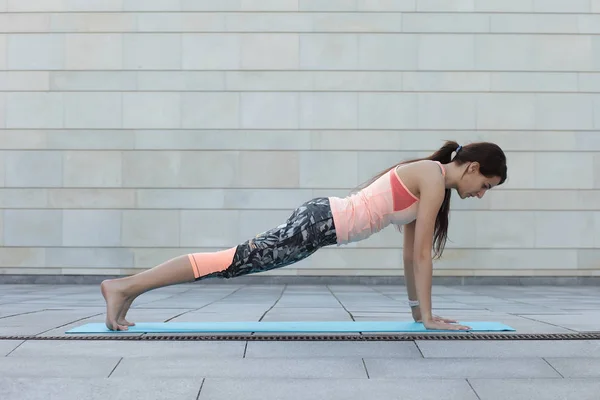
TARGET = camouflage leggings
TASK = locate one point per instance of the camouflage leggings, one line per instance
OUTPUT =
(309, 228)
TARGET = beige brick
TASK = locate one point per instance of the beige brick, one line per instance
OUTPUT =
(2, 111)
(150, 228)
(269, 169)
(92, 169)
(534, 81)
(268, 199)
(94, 22)
(33, 168)
(506, 111)
(35, 51)
(455, 81)
(27, 23)
(596, 6)
(323, 110)
(95, 51)
(387, 110)
(91, 198)
(93, 140)
(596, 111)
(564, 111)
(210, 5)
(136, 165)
(447, 111)
(576, 229)
(268, 110)
(269, 5)
(91, 228)
(532, 23)
(25, 80)
(358, 81)
(151, 110)
(184, 198)
(524, 163)
(446, 5)
(89, 258)
(515, 261)
(255, 222)
(210, 110)
(207, 228)
(32, 227)
(95, 5)
(2, 168)
(211, 51)
(512, 229)
(550, 49)
(445, 23)
(22, 257)
(388, 52)
(23, 198)
(180, 80)
(329, 5)
(152, 51)
(181, 22)
(209, 169)
(371, 163)
(3, 51)
(270, 51)
(328, 51)
(386, 5)
(505, 52)
(268, 22)
(357, 22)
(269, 80)
(93, 110)
(589, 82)
(587, 259)
(35, 5)
(316, 169)
(353, 258)
(3, 5)
(504, 5)
(557, 6)
(535, 200)
(93, 80)
(34, 110)
(564, 170)
(151, 5)
(438, 52)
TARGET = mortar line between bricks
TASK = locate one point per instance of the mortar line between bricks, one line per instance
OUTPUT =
(472, 388)
(200, 390)
(274, 304)
(552, 366)
(113, 370)
(19, 345)
(418, 348)
(194, 309)
(245, 349)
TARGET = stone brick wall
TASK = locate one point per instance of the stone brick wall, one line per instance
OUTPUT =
(132, 131)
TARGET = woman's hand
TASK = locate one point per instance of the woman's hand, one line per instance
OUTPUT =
(416, 313)
(440, 324)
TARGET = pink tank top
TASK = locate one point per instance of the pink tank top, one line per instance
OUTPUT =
(385, 201)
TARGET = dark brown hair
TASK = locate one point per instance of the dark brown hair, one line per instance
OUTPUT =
(492, 163)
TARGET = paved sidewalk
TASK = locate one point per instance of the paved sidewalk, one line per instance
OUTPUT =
(286, 370)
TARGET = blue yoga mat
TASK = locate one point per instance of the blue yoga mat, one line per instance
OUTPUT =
(288, 327)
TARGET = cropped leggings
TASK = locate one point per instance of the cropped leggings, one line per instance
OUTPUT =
(309, 228)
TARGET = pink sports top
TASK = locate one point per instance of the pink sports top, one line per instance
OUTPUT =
(385, 201)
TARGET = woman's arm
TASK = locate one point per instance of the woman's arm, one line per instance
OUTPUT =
(409, 274)
(432, 192)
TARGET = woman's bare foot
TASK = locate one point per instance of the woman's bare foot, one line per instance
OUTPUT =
(115, 297)
(121, 319)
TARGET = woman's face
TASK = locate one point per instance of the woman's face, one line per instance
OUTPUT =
(474, 184)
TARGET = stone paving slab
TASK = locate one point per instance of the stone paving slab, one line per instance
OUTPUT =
(503, 348)
(58, 366)
(576, 367)
(200, 366)
(528, 389)
(291, 349)
(517, 367)
(6, 346)
(336, 389)
(106, 348)
(41, 388)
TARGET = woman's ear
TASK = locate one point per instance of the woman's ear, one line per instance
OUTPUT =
(473, 167)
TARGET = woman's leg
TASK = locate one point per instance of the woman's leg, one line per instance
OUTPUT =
(309, 227)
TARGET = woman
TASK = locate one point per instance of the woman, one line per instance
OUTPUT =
(413, 194)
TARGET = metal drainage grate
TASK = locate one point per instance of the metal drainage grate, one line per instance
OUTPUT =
(356, 338)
